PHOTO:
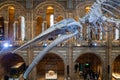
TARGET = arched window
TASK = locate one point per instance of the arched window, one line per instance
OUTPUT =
(50, 16)
(87, 9)
(101, 35)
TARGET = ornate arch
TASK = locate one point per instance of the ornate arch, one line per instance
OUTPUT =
(23, 57)
(56, 53)
(113, 58)
(40, 10)
(100, 58)
(19, 9)
(80, 8)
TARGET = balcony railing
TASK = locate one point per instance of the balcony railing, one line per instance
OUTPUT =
(65, 43)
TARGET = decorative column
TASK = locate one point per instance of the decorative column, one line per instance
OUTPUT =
(70, 60)
(2, 29)
(109, 52)
(29, 36)
(69, 4)
(66, 71)
(118, 25)
(30, 52)
(44, 26)
(14, 30)
(6, 29)
(104, 70)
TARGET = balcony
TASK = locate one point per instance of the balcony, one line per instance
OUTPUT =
(93, 43)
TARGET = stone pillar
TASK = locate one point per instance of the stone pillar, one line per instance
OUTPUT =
(14, 30)
(28, 27)
(29, 4)
(118, 25)
(66, 71)
(70, 60)
(109, 51)
(6, 29)
(30, 52)
(44, 26)
(69, 4)
(29, 36)
(104, 70)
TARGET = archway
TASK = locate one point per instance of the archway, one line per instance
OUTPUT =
(12, 65)
(116, 68)
(50, 67)
(88, 64)
(8, 10)
(49, 10)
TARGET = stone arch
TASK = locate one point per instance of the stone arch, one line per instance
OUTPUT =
(59, 54)
(97, 55)
(114, 57)
(50, 62)
(101, 59)
(23, 57)
(19, 9)
(13, 64)
(41, 9)
(80, 8)
(116, 66)
(89, 62)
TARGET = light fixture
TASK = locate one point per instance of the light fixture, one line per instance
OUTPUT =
(95, 44)
(7, 44)
(45, 44)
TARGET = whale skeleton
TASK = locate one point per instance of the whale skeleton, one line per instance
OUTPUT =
(96, 19)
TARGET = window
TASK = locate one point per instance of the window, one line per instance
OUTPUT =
(116, 34)
(87, 9)
(50, 16)
(51, 19)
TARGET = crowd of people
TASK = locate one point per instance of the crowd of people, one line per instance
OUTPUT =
(90, 75)
(86, 72)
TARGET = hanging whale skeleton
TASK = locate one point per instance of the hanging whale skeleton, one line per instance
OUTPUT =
(68, 28)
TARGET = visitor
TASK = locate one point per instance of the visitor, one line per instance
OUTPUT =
(76, 67)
